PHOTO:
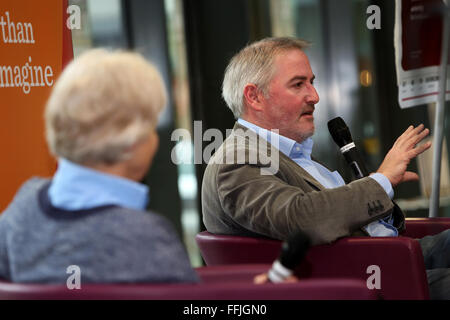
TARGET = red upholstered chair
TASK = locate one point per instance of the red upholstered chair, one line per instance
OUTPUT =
(400, 260)
(421, 227)
(218, 283)
(264, 250)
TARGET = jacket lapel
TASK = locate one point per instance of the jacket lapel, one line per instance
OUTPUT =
(303, 173)
(296, 168)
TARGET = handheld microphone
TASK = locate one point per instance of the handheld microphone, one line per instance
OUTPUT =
(292, 252)
(341, 135)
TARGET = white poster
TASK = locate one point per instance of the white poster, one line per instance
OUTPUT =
(417, 41)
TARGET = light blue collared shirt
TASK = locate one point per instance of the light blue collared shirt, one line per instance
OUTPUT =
(75, 187)
(300, 153)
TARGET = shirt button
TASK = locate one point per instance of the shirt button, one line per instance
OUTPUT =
(297, 148)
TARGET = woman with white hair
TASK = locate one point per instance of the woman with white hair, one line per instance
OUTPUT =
(101, 122)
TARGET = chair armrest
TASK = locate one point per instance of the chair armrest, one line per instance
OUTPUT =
(400, 261)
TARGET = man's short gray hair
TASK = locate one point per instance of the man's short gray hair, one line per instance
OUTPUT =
(254, 64)
(102, 104)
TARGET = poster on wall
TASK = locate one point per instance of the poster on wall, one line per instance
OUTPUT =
(31, 48)
(417, 41)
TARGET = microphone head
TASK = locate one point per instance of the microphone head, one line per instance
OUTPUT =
(339, 132)
(294, 249)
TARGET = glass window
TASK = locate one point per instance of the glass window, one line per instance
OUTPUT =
(101, 25)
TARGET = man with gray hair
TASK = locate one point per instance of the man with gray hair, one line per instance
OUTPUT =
(101, 122)
(269, 85)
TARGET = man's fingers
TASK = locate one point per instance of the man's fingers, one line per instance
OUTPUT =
(413, 136)
(411, 131)
(407, 131)
(410, 176)
(404, 134)
(415, 131)
(419, 149)
(423, 147)
(415, 140)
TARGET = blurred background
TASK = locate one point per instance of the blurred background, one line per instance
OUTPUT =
(191, 42)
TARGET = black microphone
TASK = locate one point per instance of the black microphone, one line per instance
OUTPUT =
(292, 253)
(341, 135)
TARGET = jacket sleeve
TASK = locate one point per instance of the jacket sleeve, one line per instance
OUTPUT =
(267, 205)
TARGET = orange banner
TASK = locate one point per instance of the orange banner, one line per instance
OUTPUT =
(31, 51)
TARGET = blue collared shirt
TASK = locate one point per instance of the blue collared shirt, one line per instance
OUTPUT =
(75, 187)
(300, 153)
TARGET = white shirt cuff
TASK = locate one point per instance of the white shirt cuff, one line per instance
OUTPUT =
(384, 183)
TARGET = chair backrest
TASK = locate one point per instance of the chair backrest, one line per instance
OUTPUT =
(223, 249)
(396, 262)
(420, 227)
(218, 283)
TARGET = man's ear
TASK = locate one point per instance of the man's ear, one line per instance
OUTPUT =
(253, 97)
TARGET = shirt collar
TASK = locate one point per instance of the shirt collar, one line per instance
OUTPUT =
(75, 187)
(289, 147)
(301, 149)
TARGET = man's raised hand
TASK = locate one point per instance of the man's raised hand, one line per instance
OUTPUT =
(404, 149)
